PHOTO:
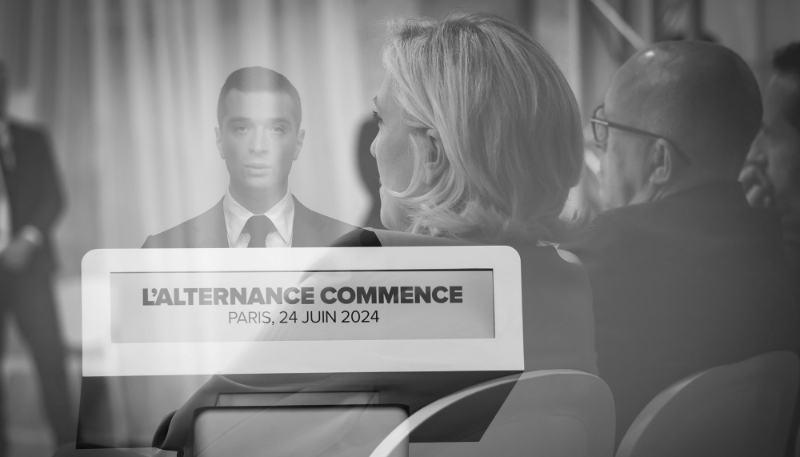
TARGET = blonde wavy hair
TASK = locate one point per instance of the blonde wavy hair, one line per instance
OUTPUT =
(508, 122)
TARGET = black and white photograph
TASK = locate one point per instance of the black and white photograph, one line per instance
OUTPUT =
(399, 228)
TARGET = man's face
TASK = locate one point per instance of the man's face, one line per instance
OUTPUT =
(259, 140)
(623, 158)
(776, 149)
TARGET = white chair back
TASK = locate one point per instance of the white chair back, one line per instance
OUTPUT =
(742, 409)
(549, 413)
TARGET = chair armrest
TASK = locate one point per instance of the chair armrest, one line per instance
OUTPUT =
(161, 431)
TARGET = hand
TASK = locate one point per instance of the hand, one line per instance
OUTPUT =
(17, 254)
(757, 186)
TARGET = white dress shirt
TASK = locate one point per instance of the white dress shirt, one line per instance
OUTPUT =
(281, 215)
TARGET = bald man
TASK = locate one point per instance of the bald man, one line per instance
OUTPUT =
(685, 275)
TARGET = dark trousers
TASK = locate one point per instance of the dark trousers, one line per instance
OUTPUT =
(29, 296)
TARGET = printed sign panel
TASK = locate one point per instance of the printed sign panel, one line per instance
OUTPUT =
(301, 306)
(301, 310)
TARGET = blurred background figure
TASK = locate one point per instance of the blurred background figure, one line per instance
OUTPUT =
(685, 275)
(30, 203)
(259, 136)
(771, 176)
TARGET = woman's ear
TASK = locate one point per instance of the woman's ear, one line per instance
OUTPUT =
(436, 159)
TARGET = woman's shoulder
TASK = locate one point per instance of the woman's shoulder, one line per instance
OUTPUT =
(545, 266)
(553, 266)
(376, 237)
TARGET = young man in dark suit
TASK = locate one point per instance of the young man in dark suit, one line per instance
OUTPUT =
(30, 202)
(259, 137)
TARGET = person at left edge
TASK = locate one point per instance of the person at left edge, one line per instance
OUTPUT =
(30, 203)
(259, 137)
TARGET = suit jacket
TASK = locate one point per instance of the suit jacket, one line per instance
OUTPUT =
(208, 230)
(34, 190)
(683, 284)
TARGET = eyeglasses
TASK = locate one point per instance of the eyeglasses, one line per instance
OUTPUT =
(600, 131)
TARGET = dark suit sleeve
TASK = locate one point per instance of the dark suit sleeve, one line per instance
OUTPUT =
(172, 238)
(50, 200)
(357, 238)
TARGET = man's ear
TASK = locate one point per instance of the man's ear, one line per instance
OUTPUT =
(219, 143)
(662, 162)
(301, 135)
(435, 165)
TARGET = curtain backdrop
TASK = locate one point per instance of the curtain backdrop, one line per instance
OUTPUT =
(128, 89)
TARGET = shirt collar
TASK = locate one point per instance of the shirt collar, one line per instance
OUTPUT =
(236, 215)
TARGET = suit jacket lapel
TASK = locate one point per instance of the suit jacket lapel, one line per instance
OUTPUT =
(210, 230)
(306, 226)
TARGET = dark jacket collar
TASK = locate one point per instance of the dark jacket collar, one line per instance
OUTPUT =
(730, 191)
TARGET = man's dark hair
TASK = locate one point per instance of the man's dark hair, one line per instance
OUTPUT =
(787, 62)
(259, 79)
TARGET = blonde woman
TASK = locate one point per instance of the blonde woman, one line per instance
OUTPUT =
(480, 142)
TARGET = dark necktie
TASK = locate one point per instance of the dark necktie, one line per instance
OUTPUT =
(258, 227)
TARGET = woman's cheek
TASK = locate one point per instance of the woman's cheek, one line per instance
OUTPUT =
(391, 215)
